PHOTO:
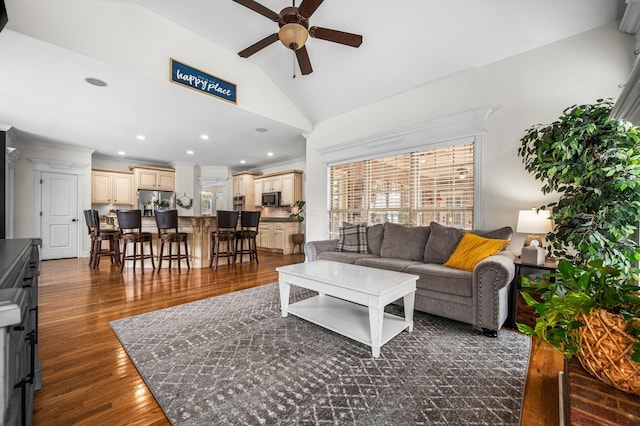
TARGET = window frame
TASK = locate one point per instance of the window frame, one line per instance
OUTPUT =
(438, 132)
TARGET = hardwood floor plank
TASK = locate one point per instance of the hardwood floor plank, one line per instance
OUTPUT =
(88, 377)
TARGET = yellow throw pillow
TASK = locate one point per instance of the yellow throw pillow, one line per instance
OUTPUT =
(472, 249)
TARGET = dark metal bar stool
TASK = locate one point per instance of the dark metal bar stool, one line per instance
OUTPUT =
(130, 223)
(167, 222)
(98, 236)
(248, 231)
(226, 224)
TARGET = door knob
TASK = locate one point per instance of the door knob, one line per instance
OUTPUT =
(74, 220)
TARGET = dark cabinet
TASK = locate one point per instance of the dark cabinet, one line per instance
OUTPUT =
(20, 367)
(520, 311)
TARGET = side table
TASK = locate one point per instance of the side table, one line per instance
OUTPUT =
(520, 311)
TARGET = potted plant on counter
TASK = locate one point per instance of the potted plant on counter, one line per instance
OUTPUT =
(161, 204)
(297, 212)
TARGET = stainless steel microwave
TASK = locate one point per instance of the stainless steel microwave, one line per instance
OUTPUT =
(270, 199)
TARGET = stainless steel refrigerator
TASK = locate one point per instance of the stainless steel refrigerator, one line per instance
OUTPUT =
(148, 201)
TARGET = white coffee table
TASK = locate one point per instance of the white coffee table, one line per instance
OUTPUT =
(351, 299)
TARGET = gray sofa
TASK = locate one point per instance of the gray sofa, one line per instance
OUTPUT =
(479, 298)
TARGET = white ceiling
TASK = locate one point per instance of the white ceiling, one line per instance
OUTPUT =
(46, 53)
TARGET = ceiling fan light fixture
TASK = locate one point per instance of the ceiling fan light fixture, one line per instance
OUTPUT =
(293, 36)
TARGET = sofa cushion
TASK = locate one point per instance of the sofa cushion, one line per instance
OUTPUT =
(404, 242)
(441, 243)
(337, 256)
(442, 279)
(397, 265)
(504, 233)
(374, 238)
(353, 238)
(472, 249)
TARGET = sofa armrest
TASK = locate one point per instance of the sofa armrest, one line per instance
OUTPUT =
(491, 279)
(313, 248)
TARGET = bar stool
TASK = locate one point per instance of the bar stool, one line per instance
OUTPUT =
(248, 231)
(167, 222)
(130, 223)
(226, 224)
(98, 236)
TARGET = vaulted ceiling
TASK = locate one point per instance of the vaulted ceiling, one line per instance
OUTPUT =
(49, 48)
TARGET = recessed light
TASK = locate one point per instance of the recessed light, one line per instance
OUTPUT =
(204, 137)
(269, 154)
(190, 152)
(141, 137)
(95, 81)
(242, 162)
(121, 153)
(261, 129)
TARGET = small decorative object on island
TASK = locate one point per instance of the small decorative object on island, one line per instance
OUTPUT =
(161, 204)
(591, 312)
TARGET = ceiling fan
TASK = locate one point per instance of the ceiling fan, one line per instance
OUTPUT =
(294, 30)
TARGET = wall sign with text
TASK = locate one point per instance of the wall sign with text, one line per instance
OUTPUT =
(202, 82)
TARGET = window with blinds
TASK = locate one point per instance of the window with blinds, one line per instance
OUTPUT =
(415, 188)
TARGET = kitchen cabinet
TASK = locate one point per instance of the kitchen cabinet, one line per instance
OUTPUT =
(154, 178)
(20, 366)
(291, 189)
(276, 236)
(244, 186)
(109, 187)
(520, 311)
(289, 184)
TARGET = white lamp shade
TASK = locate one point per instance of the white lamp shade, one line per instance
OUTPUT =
(534, 222)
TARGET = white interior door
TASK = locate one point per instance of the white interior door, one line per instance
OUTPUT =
(59, 215)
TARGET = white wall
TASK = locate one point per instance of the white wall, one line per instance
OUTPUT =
(25, 173)
(530, 88)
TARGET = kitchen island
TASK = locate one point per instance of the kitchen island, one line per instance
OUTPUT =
(274, 234)
(199, 229)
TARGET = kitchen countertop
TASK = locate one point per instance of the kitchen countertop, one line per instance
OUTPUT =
(277, 219)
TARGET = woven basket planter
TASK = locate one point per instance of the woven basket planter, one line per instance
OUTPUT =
(606, 350)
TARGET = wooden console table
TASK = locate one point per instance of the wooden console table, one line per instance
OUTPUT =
(586, 400)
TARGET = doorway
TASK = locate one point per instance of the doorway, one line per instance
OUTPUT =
(59, 222)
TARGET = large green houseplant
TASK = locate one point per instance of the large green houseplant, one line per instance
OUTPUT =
(591, 307)
(593, 163)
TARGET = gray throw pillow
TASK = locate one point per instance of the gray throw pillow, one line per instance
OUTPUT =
(353, 238)
(374, 238)
(442, 242)
(504, 233)
(404, 242)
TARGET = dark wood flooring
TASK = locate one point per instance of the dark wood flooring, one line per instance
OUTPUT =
(89, 379)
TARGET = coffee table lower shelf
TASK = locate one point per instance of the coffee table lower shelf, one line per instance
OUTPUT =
(346, 318)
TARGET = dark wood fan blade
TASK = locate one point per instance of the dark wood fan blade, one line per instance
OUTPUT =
(349, 39)
(307, 7)
(303, 61)
(259, 45)
(262, 10)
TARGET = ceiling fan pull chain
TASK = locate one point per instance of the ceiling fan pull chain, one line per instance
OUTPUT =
(294, 62)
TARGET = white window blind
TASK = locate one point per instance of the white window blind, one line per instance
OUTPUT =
(413, 188)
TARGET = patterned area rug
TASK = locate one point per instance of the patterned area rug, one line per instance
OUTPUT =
(234, 360)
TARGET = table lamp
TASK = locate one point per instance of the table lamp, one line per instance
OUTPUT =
(534, 224)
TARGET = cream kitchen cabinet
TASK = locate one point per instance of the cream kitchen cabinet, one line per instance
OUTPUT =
(244, 185)
(291, 189)
(155, 178)
(288, 184)
(109, 187)
(276, 236)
